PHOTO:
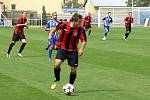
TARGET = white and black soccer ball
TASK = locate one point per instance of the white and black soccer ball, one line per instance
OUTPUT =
(68, 88)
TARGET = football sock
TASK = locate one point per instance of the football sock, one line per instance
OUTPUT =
(57, 74)
(89, 32)
(72, 78)
(10, 47)
(48, 47)
(126, 35)
(106, 34)
(22, 47)
(50, 53)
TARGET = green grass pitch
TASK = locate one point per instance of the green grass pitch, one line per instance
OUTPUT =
(109, 70)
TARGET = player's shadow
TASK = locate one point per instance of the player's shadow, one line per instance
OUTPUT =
(78, 93)
(97, 90)
(42, 55)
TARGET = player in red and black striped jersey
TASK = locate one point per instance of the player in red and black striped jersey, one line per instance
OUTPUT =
(67, 46)
(87, 23)
(19, 34)
(128, 20)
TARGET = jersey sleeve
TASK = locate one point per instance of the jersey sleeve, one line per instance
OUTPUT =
(104, 18)
(83, 36)
(47, 25)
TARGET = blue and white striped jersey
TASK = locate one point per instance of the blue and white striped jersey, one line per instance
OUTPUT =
(52, 24)
(107, 20)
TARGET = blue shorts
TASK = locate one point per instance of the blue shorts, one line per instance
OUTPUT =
(53, 41)
(106, 28)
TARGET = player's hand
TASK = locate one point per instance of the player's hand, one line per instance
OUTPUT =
(80, 53)
(49, 38)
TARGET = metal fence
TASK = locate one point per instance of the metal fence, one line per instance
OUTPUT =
(140, 14)
(119, 13)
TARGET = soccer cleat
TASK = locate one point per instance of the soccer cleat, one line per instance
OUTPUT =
(104, 38)
(8, 55)
(46, 48)
(20, 55)
(54, 85)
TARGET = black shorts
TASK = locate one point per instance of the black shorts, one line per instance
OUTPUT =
(128, 28)
(88, 26)
(71, 56)
(18, 37)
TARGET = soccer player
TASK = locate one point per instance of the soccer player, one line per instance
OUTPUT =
(52, 23)
(67, 46)
(128, 20)
(107, 20)
(87, 23)
(19, 34)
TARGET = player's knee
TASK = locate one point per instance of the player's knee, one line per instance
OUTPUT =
(128, 32)
(12, 43)
(74, 70)
(23, 41)
(107, 31)
(57, 66)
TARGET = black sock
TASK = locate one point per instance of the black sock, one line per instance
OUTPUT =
(89, 32)
(72, 78)
(22, 47)
(106, 34)
(57, 74)
(10, 47)
(126, 35)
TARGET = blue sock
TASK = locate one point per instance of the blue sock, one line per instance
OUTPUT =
(50, 53)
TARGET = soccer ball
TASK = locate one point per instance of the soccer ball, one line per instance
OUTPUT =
(68, 88)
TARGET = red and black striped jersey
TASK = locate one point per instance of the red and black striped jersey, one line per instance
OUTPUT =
(69, 37)
(128, 20)
(19, 29)
(87, 21)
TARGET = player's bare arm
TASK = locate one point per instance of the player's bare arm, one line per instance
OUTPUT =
(49, 29)
(51, 32)
(82, 48)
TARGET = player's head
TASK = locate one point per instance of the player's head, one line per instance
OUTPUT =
(54, 15)
(24, 13)
(109, 13)
(130, 13)
(76, 20)
(89, 14)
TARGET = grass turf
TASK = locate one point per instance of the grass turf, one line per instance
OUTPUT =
(109, 70)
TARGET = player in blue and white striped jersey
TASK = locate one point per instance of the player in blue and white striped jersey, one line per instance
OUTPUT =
(107, 20)
(52, 23)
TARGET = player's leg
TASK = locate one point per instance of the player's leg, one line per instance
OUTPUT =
(50, 49)
(23, 40)
(73, 62)
(106, 32)
(10, 48)
(128, 30)
(89, 30)
(60, 57)
(48, 45)
(14, 39)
